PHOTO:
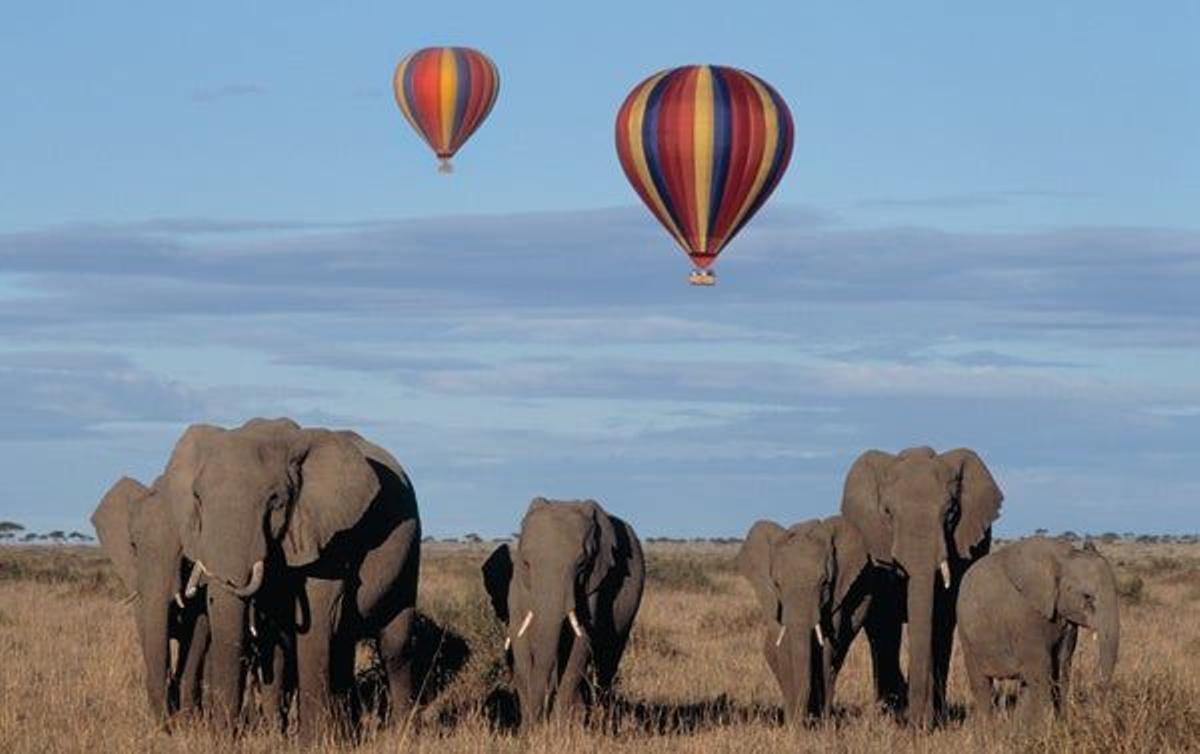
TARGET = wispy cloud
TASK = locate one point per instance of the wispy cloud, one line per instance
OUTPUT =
(506, 356)
(228, 91)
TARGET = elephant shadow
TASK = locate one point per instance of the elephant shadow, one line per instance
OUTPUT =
(502, 709)
(438, 656)
(686, 718)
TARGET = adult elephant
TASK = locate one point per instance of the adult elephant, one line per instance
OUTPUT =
(813, 583)
(135, 531)
(1020, 611)
(568, 596)
(321, 529)
(925, 517)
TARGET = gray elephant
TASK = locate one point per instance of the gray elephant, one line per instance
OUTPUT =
(568, 595)
(136, 533)
(925, 517)
(1019, 611)
(812, 581)
(321, 529)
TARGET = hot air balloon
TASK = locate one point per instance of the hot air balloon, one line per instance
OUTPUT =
(704, 146)
(445, 93)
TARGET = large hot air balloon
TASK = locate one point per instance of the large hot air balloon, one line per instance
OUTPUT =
(704, 146)
(445, 93)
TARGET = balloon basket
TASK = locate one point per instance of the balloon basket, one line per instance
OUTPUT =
(444, 167)
(702, 277)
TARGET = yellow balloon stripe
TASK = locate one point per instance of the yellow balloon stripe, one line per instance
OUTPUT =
(702, 152)
(637, 114)
(770, 143)
(449, 81)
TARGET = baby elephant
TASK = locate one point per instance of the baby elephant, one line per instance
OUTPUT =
(1018, 614)
(568, 594)
(811, 580)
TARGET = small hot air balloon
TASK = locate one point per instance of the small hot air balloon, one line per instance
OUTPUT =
(704, 146)
(445, 93)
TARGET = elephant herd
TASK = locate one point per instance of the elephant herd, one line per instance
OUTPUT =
(911, 546)
(263, 554)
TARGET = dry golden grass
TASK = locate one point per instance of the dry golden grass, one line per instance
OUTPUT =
(693, 679)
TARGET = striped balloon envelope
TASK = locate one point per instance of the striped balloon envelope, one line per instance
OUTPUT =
(704, 146)
(445, 93)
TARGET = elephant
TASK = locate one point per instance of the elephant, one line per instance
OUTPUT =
(134, 527)
(812, 581)
(320, 529)
(1020, 609)
(568, 595)
(925, 518)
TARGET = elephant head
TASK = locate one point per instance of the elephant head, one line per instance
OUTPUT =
(925, 516)
(249, 503)
(802, 577)
(135, 532)
(545, 592)
(1067, 584)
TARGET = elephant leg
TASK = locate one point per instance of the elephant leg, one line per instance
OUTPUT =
(781, 670)
(607, 657)
(568, 698)
(315, 702)
(981, 685)
(883, 627)
(1036, 699)
(1063, 653)
(192, 673)
(396, 654)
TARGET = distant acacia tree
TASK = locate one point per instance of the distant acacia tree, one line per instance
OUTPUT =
(1041, 532)
(10, 527)
(473, 538)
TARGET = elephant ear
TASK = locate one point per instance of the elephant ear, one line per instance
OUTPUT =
(497, 575)
(111, 520)
(850, 556)
(1035, 572)
(979, 499)
(605, 543)
(177, 484)
(861, 502)
(754, 563)
(337, 485)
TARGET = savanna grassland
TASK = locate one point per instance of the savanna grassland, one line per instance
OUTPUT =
(693, 679)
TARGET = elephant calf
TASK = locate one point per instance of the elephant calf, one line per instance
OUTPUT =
(568, 595)
(1018, 614)
(811, 582)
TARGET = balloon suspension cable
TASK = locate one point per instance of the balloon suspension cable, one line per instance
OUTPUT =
(702, 277)
(444, 167)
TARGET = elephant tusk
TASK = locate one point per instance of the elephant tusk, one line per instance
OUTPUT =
(578, 629)
(253, 627)
(820, 635)
(525, 624)
(1095, 635)
(256, 578)
(507, 643)
(193, 581)
(179, 599)
(945, 569)
(782, 631)
(128, 599)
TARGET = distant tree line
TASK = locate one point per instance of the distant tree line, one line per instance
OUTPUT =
(11, 531)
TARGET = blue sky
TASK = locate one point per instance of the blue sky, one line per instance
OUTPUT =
(987, 237)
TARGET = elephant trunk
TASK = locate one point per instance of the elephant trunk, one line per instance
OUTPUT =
(153, 616)
(1108, 634)
(546, 632)
(223, 673)
(804, 671)
(920, 645)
